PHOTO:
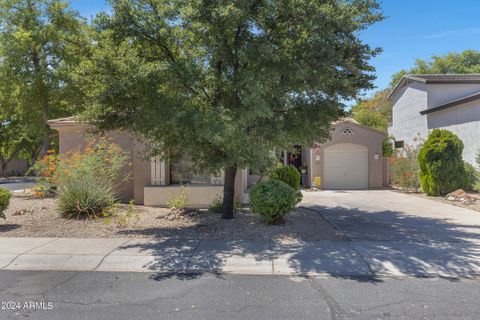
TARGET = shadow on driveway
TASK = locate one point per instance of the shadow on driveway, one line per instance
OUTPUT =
(397, 244)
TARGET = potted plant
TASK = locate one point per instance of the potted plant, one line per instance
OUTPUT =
(303, 169)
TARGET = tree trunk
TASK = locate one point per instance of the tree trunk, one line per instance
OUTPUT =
(3, 167)
(45, 147)
(229, 192)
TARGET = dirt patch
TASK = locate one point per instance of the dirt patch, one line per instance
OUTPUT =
(30, 217)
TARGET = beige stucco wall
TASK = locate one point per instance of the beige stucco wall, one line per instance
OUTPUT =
(199, 196)
(372, 139)
(74, 138)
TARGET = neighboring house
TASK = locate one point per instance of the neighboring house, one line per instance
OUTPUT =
(423, 102)
(351, 159)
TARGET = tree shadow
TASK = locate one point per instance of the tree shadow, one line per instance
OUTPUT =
(394, 243)
(381, 243)
(8, 227)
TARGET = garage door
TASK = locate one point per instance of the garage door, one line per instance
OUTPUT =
(345, 166)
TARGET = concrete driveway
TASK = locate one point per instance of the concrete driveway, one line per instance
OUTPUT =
(400, 234)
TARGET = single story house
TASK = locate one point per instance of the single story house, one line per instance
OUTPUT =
(350, 159)
(423, 102)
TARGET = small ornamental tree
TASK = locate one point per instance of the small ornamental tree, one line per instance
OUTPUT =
(226, 82)
(441, 165)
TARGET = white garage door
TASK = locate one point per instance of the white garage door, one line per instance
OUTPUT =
(345, 166)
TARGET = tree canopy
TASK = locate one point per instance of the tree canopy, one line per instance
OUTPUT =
(40, 41)
(227, 82)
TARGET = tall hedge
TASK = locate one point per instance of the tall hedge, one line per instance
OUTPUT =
(441, 164)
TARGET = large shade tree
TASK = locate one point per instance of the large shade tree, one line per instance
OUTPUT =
(40, 42)
(226, 82)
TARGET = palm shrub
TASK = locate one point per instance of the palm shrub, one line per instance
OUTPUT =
(441, 165)
(4, 201)
(272, 200)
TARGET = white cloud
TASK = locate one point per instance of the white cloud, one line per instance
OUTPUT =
(451, 33)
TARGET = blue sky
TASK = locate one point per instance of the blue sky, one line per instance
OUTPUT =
(412, 29)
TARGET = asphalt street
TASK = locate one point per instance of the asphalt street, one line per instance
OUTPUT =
(111, 295)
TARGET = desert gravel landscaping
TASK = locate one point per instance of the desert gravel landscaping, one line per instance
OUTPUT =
(467, 200)
(31, 217)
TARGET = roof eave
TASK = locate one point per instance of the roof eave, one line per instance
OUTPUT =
(450, 104)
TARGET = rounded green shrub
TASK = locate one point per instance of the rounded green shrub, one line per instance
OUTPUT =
(4, 201)
(272, 199)
(287, 174)
(470, 177)
(441, 165)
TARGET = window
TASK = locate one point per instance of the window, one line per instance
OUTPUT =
(181, 172)
(399, 144)
(347, 131)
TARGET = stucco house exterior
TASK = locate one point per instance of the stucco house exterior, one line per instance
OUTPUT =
(350, 159)
(423, 102)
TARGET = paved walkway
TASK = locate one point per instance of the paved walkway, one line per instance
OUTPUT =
(236, 257)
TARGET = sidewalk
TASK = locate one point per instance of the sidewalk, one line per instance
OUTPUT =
(235, 257)
(336, 258)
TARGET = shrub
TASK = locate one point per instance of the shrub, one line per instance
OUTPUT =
(404, 169)
(4, 201)
(470, 177)
(272, 199)
(217, 205)
(441, 165)
(47, 169)
(85, 197)
(179, 201)
(287, 174)
(87, 182)
(387, 147)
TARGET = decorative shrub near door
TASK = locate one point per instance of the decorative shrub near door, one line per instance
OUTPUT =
(288, 174)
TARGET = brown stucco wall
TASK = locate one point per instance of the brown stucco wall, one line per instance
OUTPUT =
(365, 136)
